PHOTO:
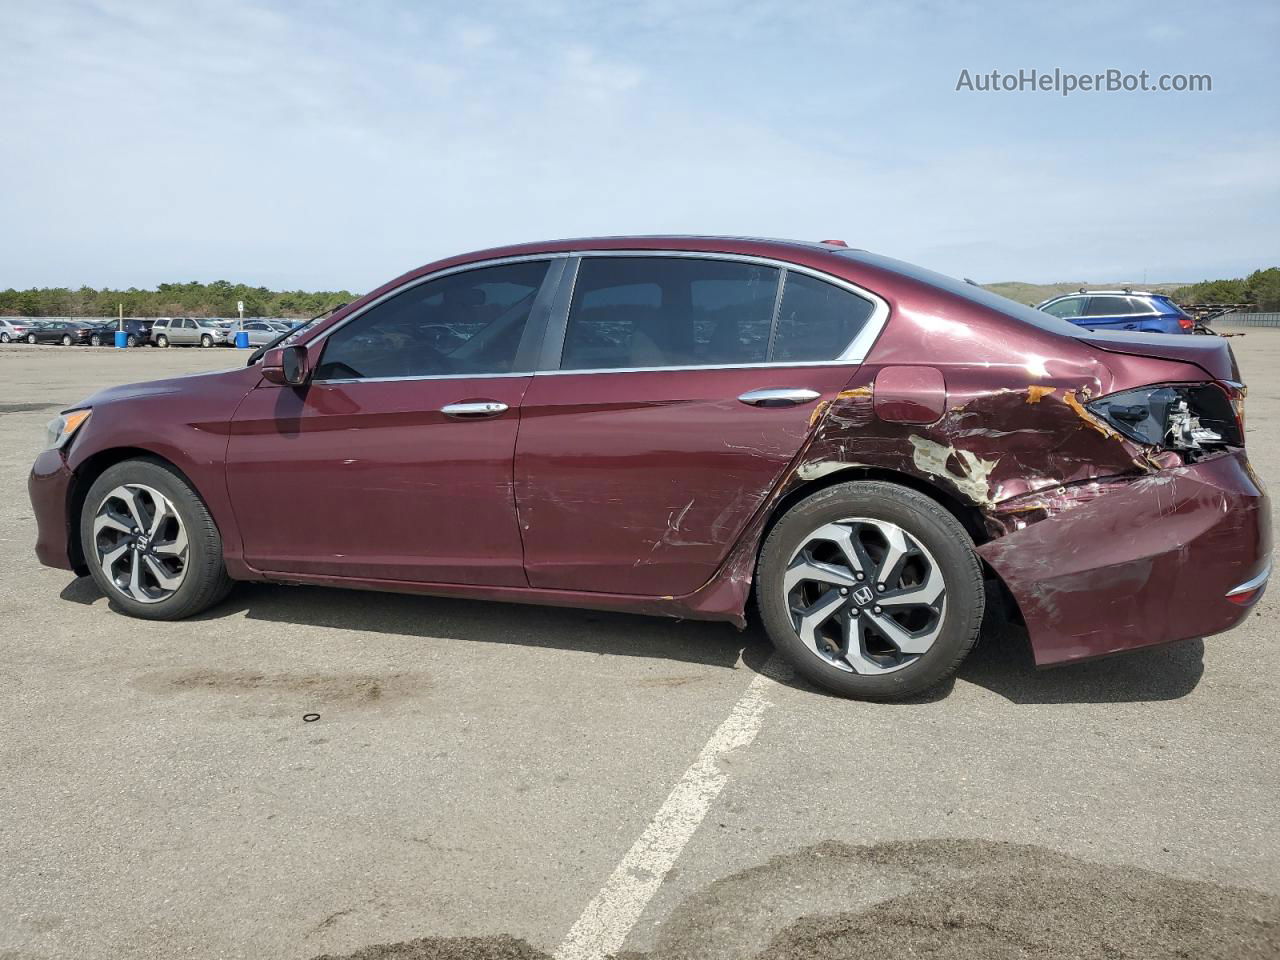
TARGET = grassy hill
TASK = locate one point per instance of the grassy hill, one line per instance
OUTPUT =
(1033, 293)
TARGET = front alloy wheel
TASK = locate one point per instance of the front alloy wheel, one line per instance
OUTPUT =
(140, 543)
(865, 596)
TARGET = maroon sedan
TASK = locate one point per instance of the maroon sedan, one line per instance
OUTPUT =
(665, 425)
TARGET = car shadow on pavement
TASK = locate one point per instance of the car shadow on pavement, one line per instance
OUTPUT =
(1001, 662)
(590, 631)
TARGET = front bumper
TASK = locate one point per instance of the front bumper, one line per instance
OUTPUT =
(1144, 562)
(49, 487)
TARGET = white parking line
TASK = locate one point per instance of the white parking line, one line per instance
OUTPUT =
(609, 917)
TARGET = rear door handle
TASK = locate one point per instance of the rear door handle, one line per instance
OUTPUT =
(779, 397)
(476, 410)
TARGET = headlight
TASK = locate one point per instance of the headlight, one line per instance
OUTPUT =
(64, 426)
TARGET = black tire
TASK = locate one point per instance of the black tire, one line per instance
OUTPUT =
(131, 341)
(31, 338)
(205, 582)
(66, 340)
(206, 341)
(923, 519)
(4, 338)
(95, 341)
(162, 340)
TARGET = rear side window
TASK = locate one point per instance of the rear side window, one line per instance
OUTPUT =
(641, 312)
(1108, 307)
(818, 320)
(1070, 307)
(1141, 305)
(463, 323)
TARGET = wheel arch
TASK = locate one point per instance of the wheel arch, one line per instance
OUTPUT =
(1000, 599)
(88, 471)
(968, 515)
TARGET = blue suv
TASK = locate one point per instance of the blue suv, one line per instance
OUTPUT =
(1120, 310)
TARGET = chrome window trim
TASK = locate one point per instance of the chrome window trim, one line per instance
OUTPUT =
(852, 355)
(431, 376)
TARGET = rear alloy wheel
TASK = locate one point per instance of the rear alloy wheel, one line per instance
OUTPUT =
(66, 339)
(162, 340)
(95, 341)
(871, 590)
(206, 341)
(150, 542)
(131, 341)
(31, 338)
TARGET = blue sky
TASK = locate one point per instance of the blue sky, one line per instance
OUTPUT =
(324, 145)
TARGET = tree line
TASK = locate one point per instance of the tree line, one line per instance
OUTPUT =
(217, 299)
(1260, 289)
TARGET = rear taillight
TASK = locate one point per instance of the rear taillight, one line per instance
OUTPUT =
(1185, 322)
(1176, 416)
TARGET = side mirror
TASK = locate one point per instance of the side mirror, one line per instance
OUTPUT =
(287, 366)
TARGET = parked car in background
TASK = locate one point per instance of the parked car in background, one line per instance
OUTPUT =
(259, 332)
(12, 331)
(672, 425)
(186, 332)
(65, 332)
(1120, 310)
(137, 333)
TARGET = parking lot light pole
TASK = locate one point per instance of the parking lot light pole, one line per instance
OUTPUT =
(122, 338)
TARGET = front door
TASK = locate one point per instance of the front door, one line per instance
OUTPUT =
(686, 386)
(395, 461)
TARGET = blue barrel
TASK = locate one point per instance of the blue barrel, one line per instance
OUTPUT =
(122, 339)
(242, 339)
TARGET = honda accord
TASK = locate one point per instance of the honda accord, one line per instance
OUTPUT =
(859, 452)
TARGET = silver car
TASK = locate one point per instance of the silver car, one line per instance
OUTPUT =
(186, 332)
(12, 331)
(260, 332)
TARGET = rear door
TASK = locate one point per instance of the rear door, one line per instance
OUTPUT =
(395, 461)
(684, 386)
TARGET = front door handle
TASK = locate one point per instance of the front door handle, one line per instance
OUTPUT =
(475, 410)
(779, 397)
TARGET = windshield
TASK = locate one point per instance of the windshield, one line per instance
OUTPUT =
(969, 291)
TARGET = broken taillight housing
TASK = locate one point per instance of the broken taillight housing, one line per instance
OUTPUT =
(1174, 416)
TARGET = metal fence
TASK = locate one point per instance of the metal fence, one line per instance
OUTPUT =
(1246, 320)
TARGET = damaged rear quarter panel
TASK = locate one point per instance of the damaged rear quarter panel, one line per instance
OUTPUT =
(1014, 438)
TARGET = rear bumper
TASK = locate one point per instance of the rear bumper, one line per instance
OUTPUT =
(49, 487)
(1143, 562)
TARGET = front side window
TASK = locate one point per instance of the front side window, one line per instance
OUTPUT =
(1108, 307)
(463, 323)
(818, 320)
(643, 312)
(1070, 307)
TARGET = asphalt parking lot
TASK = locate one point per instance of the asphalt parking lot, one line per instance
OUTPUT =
(506, 773)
